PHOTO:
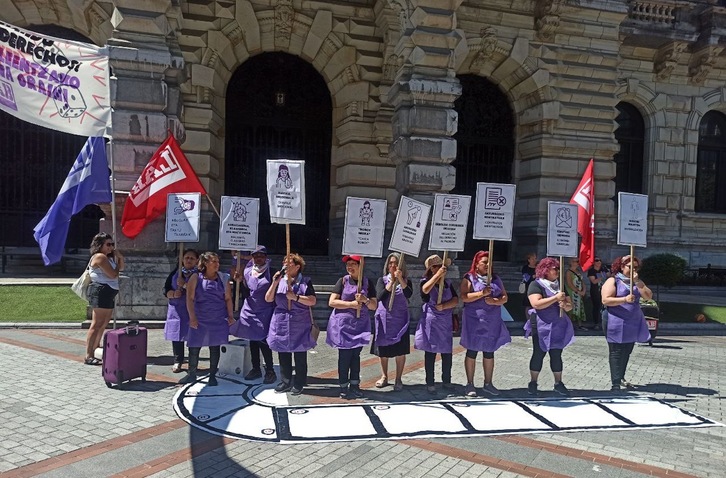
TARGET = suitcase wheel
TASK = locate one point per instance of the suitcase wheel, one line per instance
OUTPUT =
(143, 379)
(109, 384)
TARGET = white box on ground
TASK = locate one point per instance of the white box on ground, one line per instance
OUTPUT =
(235, 358)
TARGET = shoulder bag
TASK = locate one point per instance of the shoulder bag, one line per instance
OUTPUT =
(80, 286)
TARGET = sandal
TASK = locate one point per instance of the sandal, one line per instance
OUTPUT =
(177, 368)
(92, 361)
(382, 382)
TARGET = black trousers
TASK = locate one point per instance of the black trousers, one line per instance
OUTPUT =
(257, 346)
(619, 356)
(430, 360)
(538, 355)
(301, 368)
(214, 353)
(177, 346)
(349, 366)
(596, 307)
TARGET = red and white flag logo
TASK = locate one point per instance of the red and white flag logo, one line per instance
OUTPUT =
(584, 197)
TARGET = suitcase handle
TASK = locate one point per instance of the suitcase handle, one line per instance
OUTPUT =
(132, 327)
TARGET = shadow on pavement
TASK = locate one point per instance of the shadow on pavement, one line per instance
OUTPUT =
(675, 389)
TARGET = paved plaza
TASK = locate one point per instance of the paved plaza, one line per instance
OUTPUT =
(60, 419)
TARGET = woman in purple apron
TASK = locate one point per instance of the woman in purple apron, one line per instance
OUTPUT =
(434, 332)
(551, 330)
(348, 330)
(291, 324)
(177, 316)
(209, 302)
(391, 338)
(482, 327)
(625, 321)
(254, 319)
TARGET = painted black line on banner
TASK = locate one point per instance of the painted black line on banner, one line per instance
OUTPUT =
(282, 423)
(536, 415)
(464, 421)
(611, 412)
(375, 421)
(683, 410)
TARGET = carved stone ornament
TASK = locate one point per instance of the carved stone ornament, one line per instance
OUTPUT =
(486, 48)
(284, 16)
(547, 17)
(666, 60)
(403, 8)
(704, 64)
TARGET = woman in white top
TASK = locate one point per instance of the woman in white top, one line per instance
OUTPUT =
(106, 264)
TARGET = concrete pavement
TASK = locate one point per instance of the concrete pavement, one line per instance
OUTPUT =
(59, 418)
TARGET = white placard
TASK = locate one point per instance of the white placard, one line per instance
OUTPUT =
(286, 191)
(562, 229)
(239, 223)
(494, 212)
(632, 219)
(365, 226)
(449, 221)
(410, 226)
(182, 217)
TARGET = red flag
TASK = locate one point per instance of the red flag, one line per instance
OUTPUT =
(584, 197)
(168, 171)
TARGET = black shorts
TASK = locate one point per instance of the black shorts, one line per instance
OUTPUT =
(101, 296)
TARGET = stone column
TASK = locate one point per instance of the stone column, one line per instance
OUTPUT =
(146, 67)
(424, 120)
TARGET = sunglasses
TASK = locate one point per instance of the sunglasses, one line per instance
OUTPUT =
(598, 260)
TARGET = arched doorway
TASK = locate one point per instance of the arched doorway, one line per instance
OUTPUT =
(711, 173)
(630, 135)
(278, 106)
(484, 146)
(35, 163)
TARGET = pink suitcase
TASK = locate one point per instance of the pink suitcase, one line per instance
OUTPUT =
(124, 354)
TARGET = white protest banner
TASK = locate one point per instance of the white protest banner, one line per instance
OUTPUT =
(59, 84)
(239, 223)
(562, 229)
(410, 226)
(494, 211)
(449, 221)
(632, 219)
(286, 191)
(365, 226)
(183, 211)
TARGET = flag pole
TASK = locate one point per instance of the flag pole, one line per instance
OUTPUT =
(113, 210)
(214, 208)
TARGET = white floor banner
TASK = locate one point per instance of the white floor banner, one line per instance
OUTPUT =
(255, 412)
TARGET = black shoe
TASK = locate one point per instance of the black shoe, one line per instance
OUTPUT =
(615, 388)
(270, 377)
(561, 389)
(253, 374)
(283, 387)
(448, 386)
(343, 393)
(532, 389)
(354, 392)
(212, 382)
(296, 391)
(189, 378)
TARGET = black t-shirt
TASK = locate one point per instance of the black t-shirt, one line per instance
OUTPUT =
(382, 293)
(371, 287)
(535, 288)
(425, 297)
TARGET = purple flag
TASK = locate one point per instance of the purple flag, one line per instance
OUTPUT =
(87, 183)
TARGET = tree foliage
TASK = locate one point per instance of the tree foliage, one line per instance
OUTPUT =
(663, 269)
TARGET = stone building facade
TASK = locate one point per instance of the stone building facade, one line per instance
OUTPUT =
(566, 77)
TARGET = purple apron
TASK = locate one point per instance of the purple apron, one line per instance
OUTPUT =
(254, 319)
(434, 332)
(177, 315)
(390, 325)
(290, 328)
(626, 322)
(482, 327)
(554, 332)
(345, 330)
(211, 311)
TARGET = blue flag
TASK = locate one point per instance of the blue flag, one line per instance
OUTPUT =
(87, 183)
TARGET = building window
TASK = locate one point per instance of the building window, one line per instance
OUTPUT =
(711, 174)
(630, 135)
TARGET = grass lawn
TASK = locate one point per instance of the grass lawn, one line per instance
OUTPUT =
(40, 304)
